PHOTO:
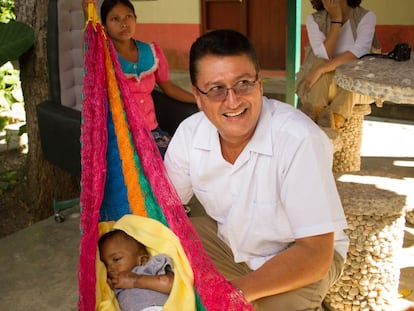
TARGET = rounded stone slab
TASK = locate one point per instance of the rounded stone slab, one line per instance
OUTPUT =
(380, 78)
(369, 200)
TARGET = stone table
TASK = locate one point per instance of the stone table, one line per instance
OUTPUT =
(375, 216)
(375, 208)
(383, 80)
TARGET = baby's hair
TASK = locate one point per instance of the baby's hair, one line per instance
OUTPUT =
(119, 233)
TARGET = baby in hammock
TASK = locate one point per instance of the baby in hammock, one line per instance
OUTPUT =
(140, 282)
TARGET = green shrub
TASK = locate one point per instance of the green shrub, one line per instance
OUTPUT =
(10, 89)
(10, 92)
(6, 10)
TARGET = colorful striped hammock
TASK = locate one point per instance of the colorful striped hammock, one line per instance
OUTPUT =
(149, 191)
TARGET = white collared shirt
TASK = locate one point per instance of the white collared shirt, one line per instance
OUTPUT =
(279, 189)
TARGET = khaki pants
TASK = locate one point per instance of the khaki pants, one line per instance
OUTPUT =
(307, 298)
(326, 94)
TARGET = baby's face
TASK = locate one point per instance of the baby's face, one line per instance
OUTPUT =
(118, 256)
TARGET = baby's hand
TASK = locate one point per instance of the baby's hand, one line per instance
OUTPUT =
(122, 279)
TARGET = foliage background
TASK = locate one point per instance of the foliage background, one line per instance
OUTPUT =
(38, 182)
(10, 87)
(6, 10)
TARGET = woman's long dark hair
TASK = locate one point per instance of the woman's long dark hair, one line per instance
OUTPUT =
(317, 4)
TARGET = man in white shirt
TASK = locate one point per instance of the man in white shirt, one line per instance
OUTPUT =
(262, 171)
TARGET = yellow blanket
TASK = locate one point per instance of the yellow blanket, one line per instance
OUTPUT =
(158, 239)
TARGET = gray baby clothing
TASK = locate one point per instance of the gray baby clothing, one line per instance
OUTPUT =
(137, 299)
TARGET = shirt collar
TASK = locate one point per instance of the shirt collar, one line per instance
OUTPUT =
(206, 137)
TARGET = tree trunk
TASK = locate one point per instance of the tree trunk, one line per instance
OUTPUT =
(46, 182)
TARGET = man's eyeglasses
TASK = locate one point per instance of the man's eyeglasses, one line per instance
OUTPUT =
(219, 93)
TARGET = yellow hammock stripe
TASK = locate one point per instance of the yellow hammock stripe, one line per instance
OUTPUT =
(92, 16)
(129, 169)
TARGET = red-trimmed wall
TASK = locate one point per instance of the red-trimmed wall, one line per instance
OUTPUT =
(174, 39)
(388, 36)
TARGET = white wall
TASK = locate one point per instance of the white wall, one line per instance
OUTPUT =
(168, 11)
(388, 12)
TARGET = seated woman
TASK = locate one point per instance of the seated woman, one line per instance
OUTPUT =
(340, 31)
(144, 65)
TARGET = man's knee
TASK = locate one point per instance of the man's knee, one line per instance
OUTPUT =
(307, 298)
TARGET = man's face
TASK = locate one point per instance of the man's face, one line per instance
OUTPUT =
(235, 116)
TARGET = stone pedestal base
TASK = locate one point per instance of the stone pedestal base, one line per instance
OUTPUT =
(371, 273)
(348, 158)
(410, 217)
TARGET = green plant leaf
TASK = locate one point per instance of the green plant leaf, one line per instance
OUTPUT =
(17, 94)
(15, 39)
(11, 79)
(3, 186)
(23, 129)
(3, 122)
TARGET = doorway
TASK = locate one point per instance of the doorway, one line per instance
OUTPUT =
(263, 21)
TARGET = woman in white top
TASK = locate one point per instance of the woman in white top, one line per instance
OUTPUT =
(339, 31)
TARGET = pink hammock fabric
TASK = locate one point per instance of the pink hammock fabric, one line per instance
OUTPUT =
(102, 72)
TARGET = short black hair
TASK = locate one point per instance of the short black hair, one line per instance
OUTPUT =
(108, 5)
(118, 233)
(318, 5)
(221, 42)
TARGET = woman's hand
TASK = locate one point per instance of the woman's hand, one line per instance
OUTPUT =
(334, 10)
(312, 77)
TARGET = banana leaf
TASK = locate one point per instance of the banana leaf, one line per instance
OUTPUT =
(15, 39)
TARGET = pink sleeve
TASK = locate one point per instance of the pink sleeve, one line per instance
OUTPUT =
(162, 74)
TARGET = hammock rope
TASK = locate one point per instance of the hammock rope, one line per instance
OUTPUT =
(149, 191)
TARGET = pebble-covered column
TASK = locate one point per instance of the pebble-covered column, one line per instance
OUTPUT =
(348, 158)
(376, 221)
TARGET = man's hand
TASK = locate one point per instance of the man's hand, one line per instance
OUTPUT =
(308, 260)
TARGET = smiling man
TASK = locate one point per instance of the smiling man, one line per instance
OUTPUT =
(262, 171)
